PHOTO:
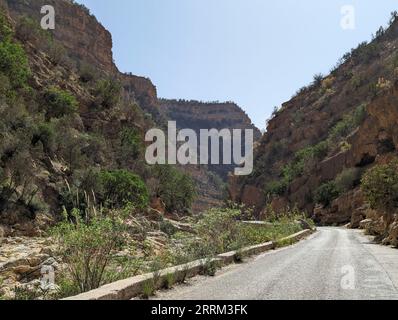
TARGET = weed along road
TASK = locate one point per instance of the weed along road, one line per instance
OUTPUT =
(334, 263)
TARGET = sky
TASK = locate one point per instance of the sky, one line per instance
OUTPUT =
(257, 53)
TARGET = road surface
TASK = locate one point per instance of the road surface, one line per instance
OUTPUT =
(334, 263)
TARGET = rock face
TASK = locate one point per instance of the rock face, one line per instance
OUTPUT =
(75, 28)
(197, 115)
(367, 78)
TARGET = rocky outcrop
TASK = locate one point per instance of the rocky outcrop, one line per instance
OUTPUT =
(77, 30)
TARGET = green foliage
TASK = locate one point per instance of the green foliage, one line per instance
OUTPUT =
(121, 187)
(131, 143)
(326, 193)
(276, 187)
(169, 281)
(87, 248)
(380, 186)
(107, 92)
(5, 27)
(210, 267)
(45, 134)
(218, 228)
(87, 72)
(349, 123)
(365, 52)
(148, 289)
(59, 103)
(318, 78)
(348, 179)
(176, 189)
(14, 63)
(303, 159)
(28, 29)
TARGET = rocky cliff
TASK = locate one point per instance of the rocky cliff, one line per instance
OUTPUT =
(328, 135)
(197, 115)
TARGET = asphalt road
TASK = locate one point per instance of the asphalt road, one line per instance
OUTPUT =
(334, 263)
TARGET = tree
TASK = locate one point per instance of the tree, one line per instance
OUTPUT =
(380, 186)
(121, 187)
(175, 188)
(59, 103)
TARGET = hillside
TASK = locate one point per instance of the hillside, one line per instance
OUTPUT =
(320, 144)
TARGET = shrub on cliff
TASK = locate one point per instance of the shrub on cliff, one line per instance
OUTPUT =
(59, 103)
(380, 186)
(107, 92)
(326, 193)
(14, 63)
(346, 126)
(348, 179)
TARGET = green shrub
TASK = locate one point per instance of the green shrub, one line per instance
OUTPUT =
(380, 186)
(87, 248)
(28, 29)
(348, 179)
(169, 281)
(318, 78)
(131, 143)
(210, 267)
(277, 188)
(46, 135)
(326, 193)
(219, 228)
(107, 92)
(121, 187)
(148, 289)
(59, 103)
(349, 123)
(87, 72)
(176, 189)
(304, 158)
(14, 63)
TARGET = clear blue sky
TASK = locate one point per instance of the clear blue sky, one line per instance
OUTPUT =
(254, 52)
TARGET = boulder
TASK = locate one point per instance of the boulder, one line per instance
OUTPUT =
(365, 224)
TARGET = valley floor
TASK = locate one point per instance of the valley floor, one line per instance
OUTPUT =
(334, 263)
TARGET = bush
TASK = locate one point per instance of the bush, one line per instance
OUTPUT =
(380, 186)
(218, 228)
(46, 135)
(277, 188)
(304, 158)
(348, 179)
(59, 103)
(326, 193)
(131, 143)
(87, 248)
(121, 187)
(87, 72)
(169, 281)
(107, 92)
(14, 63)
(28, 29)
(318, 78)
(349, 123)
(175, 188)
